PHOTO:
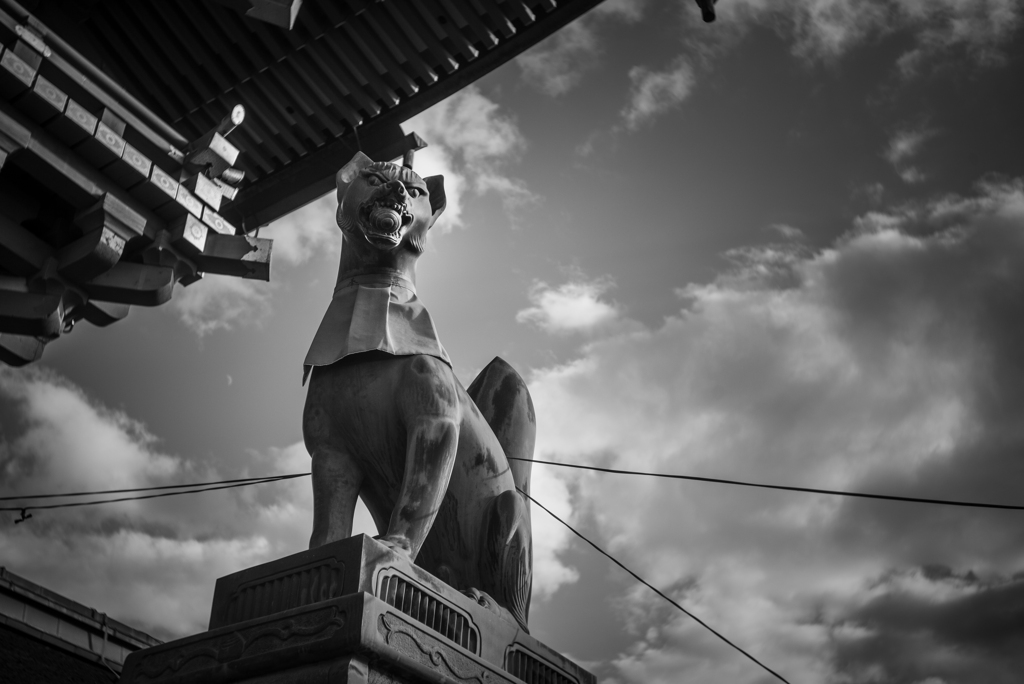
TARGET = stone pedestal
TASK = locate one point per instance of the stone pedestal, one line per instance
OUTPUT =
(350, 612)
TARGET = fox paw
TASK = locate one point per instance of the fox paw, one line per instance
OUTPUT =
(397, 543)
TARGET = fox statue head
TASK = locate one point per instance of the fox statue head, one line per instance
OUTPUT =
(386, 205)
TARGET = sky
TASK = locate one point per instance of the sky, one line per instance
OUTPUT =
(785, 247)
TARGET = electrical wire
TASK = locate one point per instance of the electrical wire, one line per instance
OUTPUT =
(653, 588)
(151, 489)
(76, 504)
(787, 488)
(195, 488)
(695, 478)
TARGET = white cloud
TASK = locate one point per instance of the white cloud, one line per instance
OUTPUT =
(912, 175)
(889, 362)
(469, 140)
(978, 28)
(557, 64)
(656, 92)
(872, 192)
(626, 10)
(571, 307)
(306, 232)
(550, 537)
(904, 145)
(151, 563)
(826, 29)
(976, 32)
(221, 303)
(787, 231)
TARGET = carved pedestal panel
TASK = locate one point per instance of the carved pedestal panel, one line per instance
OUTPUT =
(349, 612)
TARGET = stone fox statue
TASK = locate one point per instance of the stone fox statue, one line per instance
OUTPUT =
(387, 420)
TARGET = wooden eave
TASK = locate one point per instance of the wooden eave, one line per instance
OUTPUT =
(344, 78)
(112, 123)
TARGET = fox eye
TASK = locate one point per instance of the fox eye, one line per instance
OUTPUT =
(414, 191)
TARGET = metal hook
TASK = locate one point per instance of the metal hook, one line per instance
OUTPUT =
(24, 516)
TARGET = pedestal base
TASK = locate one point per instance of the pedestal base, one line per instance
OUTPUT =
(349, 612)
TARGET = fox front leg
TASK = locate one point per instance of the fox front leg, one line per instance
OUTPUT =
(429, 408)
(337, 476)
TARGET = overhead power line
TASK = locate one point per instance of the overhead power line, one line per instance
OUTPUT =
(194, 490)
(249, 480)
(653, 588)
(787, 488)
(191, 488)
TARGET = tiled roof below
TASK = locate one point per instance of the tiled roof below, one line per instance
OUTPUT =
(42, 632)
(25, 660)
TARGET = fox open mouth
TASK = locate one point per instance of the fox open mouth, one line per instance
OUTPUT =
(384, 220)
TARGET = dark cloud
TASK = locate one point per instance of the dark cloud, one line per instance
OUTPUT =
(888, 363)
(151, 563)
(934, 623)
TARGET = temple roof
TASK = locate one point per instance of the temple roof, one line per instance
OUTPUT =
(45, 636)
(344, 77)
(142, 142)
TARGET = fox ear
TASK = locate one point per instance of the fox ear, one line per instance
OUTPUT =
(438, 201)
(349, 171)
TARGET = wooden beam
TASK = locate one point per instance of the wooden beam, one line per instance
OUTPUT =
(299, 184)
(16, 75)
(132, 169)
(112, 213)
(236, 255)
(90, 255)
(184, 203)
(204, 189)
(43, 101)
(21, 252)
(217, 222)
(158, 190)
(76, 124)
(188, 234)
(104, 147)
(84, 74)
(102, 314)
(55, 165)
(30, 313)
(19, 350)
(128, 283)
(212, 152)
(281, 191)
(54, 56)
